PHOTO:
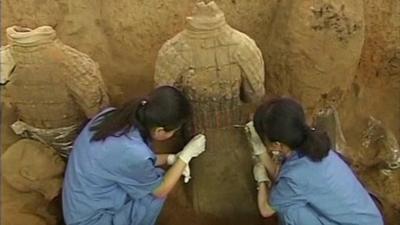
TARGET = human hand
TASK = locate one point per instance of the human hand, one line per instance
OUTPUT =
(260, 174)
(194, 148)
(255, 140)
(171, 159)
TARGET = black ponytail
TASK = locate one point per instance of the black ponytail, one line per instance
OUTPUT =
(116, 122)
(316, 144)
(164, 107)
(140, 118)
(283, 120)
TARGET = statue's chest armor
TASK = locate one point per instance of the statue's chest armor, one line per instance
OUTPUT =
(213, 74)
(38, 91)
(212, 83)
(38, 84)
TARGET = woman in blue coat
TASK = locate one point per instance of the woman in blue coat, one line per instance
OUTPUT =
(313, 186)
(112, 177)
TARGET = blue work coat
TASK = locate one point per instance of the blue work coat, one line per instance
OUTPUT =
(322, 193)
(111, 182)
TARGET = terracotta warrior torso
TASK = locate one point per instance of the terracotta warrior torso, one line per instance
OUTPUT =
(219, 69)
(53, 86)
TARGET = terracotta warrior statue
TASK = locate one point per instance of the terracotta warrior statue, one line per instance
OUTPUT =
(52, 87)
(219, 69)
(31, 177)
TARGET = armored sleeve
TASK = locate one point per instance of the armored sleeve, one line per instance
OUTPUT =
(85, 83)
(170, 65)
(250, 59)
(7, 64)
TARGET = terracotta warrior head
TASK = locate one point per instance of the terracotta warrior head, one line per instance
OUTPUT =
(30, 166)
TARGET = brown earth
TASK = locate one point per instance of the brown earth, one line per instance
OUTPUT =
(125, 36)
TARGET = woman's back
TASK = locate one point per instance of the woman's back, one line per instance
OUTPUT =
(102, 176)
(329, 189)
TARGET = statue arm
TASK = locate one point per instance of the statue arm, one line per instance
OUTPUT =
(169, 70)
(170, 66)
(251, 62)
(7, 64)
(87, 86)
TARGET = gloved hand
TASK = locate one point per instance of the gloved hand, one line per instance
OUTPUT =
(255, 140)
(194, 148)
(260, 174)
(171, 159)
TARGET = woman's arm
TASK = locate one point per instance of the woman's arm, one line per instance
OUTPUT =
(162, 159)
(262, 199)
(193, 149)
(260, 151)
(170, 179)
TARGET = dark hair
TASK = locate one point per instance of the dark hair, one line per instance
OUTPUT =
(282, 119)
(164, 107)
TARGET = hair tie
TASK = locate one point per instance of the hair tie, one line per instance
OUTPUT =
(143, 102)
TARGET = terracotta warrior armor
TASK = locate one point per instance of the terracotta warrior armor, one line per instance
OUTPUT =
(219, 69)
(53, 87)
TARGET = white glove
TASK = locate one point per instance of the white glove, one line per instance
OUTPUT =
(260, 174)
(171, 159)
(255, 140)
(194, 148)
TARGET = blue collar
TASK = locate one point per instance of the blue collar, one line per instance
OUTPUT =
(134, 133)
(300, 153)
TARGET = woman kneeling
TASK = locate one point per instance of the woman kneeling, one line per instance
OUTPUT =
(313, 186)
(112, 176)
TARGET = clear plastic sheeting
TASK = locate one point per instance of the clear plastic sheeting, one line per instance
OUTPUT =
(61, 139)
(377, 135)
